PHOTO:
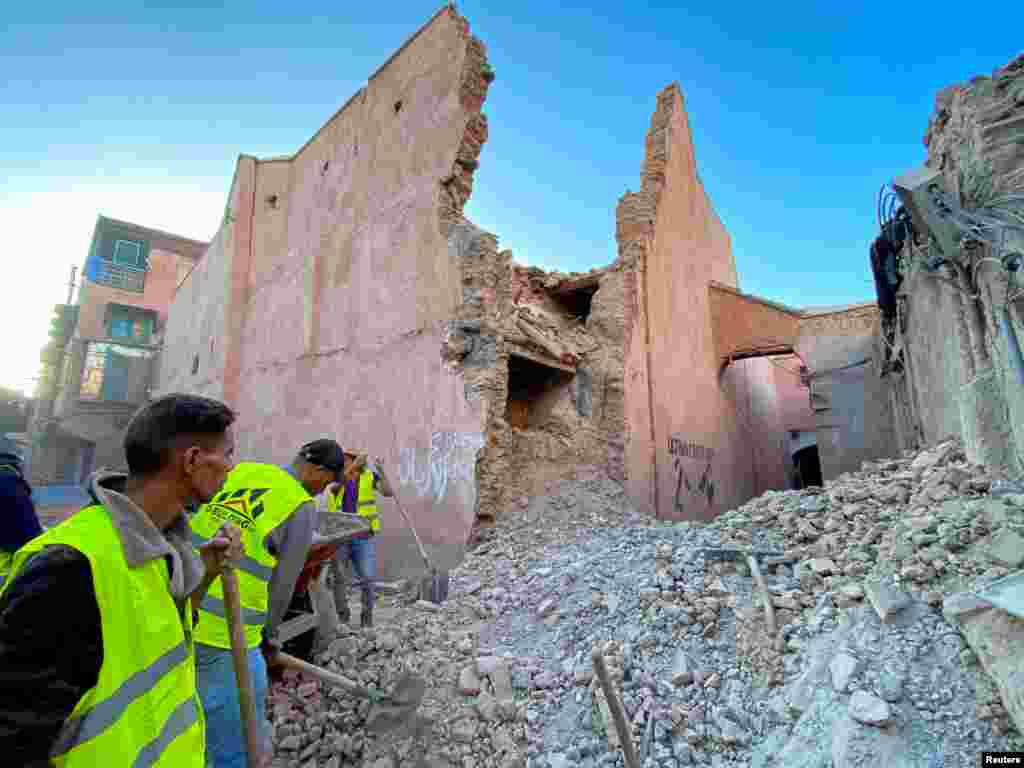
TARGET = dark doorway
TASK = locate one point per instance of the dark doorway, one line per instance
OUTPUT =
(533, 391)
(807, 468)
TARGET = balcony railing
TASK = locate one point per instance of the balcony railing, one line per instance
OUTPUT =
(120, 276)
(116, 373)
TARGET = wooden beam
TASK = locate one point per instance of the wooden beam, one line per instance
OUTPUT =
(517, 351)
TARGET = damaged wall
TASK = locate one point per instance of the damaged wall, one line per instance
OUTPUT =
(697, 441)
(954, 371)
(331, 285)
(555, 404)
(853, 412)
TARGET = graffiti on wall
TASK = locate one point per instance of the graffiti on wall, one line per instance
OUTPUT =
(450, 461)
(698, 482)
(854, 321)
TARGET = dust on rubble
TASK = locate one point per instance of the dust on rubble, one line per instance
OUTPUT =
(472, 714)
(880, 658)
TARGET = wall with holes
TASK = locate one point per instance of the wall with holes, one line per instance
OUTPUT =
(196, 336)
(320, 309)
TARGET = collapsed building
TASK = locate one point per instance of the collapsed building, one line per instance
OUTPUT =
(947, 269)
(347, 294)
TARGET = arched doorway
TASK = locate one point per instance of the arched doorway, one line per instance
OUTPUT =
(807, 467)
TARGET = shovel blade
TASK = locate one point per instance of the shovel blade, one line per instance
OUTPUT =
(398, 711)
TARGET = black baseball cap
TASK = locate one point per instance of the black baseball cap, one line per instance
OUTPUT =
(325, 453)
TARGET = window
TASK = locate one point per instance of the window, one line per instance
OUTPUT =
(129, 323)
(121, 328)
(128, 253)
(116, 373)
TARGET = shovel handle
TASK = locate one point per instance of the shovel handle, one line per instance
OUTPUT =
(323, 675)
(408, 522)
(240, 657)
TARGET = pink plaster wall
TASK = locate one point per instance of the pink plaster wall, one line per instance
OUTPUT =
(197, 320)
(337, 284)
(719, 433)
(794, 399)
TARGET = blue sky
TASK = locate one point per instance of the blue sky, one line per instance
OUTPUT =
(799, 112)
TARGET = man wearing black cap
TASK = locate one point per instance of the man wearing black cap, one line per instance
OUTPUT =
(275, 509)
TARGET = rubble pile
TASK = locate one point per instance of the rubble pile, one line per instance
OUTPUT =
(878, 655)
(475, 707)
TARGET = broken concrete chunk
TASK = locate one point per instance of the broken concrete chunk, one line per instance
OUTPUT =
(963, 605)
(682, 670)
(869, 710)
(1008, 549)
(886, 600)
(822, 566)
(548, 606)
(469, 683)
(843, 668)
(852, 591)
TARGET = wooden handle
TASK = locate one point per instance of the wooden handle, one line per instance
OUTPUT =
(615, 707)
(321, 674)
(769, 609)
(240, 657)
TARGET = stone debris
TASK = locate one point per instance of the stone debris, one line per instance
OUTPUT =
(870, 710)
(874, 664)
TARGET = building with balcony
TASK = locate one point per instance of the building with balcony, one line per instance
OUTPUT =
(104, 355)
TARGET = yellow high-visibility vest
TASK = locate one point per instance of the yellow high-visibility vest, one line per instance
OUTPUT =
(144, 709)
(257, 498)
(366, 501)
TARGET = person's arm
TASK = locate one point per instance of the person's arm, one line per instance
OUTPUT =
(381, 484)
(291, 541)
(51, 651)
(225, 546)
(21, 524)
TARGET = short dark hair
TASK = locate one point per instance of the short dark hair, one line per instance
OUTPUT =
(159, 428)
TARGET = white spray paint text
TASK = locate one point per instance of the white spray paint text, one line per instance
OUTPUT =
(451, 460)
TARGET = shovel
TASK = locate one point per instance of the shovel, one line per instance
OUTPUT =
(240, 657)
(389, 712)
(434, 588)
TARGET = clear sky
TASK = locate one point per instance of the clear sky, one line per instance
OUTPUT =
(800, 111)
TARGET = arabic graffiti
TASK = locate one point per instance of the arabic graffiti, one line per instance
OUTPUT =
(704, 485)
(451, 460)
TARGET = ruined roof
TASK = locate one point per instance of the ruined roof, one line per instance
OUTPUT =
(837, 309)
(149, 232)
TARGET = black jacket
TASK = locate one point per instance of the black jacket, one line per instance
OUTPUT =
(18, 521)
(51, 650)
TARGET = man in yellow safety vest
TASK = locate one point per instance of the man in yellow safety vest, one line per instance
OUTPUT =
(357, 495)
(274, 507)
(96, 626)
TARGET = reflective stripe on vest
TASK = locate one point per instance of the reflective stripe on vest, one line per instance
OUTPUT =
(257, 498)
(144, 710)
(366, 503)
